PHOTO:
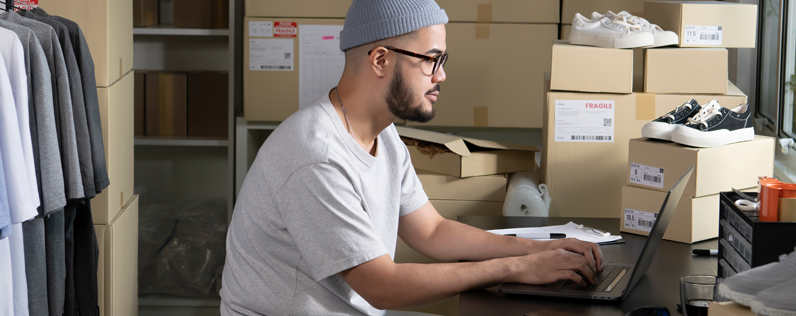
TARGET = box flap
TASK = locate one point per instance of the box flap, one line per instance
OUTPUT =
(456, 144)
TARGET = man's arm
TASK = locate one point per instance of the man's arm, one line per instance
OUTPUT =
(387, 285)
(432, 235)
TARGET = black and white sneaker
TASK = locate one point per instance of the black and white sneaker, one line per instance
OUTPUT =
(662, 127)
(716, 126)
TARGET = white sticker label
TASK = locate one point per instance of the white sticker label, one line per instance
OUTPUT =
(702, 35)
(261, 29)
(321, 62)
(639, 220)
(646, 175)
(584, 121)
(271, 54)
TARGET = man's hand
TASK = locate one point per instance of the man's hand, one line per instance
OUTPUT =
(553, 265)
(589, 250)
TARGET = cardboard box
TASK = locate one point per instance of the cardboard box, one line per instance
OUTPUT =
(208, 103)
(108, 28)
(139, 100)
(686, 70)
(717, 169)
(297, 8)
(695, 219)
(586, 7)
(116, 109)
(117, 264)
(444, 187)
(166, 104)
(449, 209)
(205, 14)
(467, 157)
(488, 11)
(728, 309)
(145, 12)
(482, 88)
(706, 24)
(575, 67)
(667, 102)
(270, 94)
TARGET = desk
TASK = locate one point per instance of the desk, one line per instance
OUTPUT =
(660, 286)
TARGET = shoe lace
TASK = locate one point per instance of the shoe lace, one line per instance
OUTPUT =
(708, 112)
(622, 21)
(638, 20)
(671, 114)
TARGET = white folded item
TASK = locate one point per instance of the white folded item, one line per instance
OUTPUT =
(610, 32)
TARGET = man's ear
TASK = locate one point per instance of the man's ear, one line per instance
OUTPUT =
(378, 61)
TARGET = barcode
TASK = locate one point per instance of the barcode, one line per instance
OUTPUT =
(644, 223)
(287, 55)
(275, 67)
(655, 179)
(709, 37)
(576, 137)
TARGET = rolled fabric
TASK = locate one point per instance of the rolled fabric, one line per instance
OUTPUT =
(526, 195)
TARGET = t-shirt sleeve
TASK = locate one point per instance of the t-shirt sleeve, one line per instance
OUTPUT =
(412, 194)
(324, 216)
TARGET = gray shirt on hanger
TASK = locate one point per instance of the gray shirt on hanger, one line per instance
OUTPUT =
(64, 118)
(314, 204)
(78, 104)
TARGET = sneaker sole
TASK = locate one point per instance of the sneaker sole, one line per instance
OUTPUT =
(759, 308)
(740, 298)
(608, 42)
(662, 131)
(691, 137)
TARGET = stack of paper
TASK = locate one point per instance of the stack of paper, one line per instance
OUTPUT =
(571, 229)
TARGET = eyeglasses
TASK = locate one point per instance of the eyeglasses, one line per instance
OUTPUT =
(438, 62)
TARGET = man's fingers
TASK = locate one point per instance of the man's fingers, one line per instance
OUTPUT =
(570, 275)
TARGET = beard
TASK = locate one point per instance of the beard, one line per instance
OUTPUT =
(401, 101)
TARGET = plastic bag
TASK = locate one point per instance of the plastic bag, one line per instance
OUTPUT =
(181, 248)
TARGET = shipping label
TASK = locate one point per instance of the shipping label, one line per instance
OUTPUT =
(285, 29)
(261, 29)
(271, 54)
(702, 35)
(639, 220)
(646, 175)
(584, 121)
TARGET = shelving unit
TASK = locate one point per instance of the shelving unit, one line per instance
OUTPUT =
(181, 141)
(171, 30)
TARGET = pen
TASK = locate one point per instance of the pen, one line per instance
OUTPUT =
(538, 235)
(706, 252)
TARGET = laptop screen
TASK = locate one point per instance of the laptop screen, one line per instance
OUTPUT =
(658, 229)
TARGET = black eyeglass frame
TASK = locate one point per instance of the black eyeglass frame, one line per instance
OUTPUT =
(438, 61)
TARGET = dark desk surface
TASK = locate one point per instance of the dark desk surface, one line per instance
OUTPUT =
(660, 286)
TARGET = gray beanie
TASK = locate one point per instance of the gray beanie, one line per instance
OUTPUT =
(368, 21)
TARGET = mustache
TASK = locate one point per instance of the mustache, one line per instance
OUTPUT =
(434, 89)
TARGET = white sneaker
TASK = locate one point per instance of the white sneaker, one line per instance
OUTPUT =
(616, 32)
(662, 38)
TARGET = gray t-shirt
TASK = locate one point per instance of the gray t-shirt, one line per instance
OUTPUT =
(314, 204)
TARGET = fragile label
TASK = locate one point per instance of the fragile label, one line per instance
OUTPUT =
(285, 29)
(702, 35)
(271, 54)
(646, 175)
(261, 29)
(585, 121)
(639, 220)
(26, 4)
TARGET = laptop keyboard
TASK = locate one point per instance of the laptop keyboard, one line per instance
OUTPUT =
(604, 279)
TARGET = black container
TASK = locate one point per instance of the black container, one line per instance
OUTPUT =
(756, 243)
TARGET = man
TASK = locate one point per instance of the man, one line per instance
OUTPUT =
(315, 226)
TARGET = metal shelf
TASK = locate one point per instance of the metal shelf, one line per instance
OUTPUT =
(171, 30)
(181, 141)
(177, 301)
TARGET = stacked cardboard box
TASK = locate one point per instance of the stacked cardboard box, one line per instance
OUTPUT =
(481, 90)
(461, 176)
(108, 28)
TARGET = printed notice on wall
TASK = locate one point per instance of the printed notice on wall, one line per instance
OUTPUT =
(646, 175)
(261, 29)
(321, 62)
(271, 54)
(702, 35)
(585, 121)
(639, 220)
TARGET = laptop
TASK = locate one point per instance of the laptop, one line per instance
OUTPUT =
(616, 280)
